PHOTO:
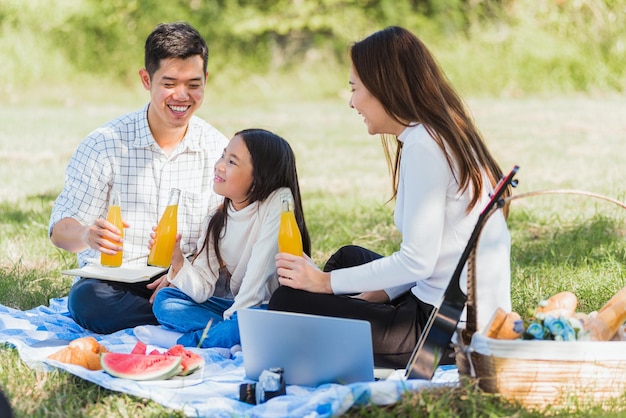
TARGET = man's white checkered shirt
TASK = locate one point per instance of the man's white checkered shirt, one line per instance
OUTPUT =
(123, 155)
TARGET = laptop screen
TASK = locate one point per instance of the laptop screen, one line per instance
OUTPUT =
(311, 349)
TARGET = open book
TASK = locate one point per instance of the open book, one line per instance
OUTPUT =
(126, 273)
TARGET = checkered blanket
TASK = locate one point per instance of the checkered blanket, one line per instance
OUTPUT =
(213, 391)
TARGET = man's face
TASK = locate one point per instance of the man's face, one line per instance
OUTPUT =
(176, 92)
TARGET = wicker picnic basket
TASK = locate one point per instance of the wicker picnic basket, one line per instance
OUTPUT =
(540, 374)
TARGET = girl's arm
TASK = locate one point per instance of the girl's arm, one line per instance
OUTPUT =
(196, 280)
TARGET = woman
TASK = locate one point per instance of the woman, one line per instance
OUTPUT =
(442, 175)
(234, 268)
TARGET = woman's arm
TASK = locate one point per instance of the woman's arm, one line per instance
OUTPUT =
(420, 217)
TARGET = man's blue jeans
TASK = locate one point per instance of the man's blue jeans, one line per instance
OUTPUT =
(106, 307)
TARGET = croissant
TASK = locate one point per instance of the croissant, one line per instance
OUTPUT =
(83, 352)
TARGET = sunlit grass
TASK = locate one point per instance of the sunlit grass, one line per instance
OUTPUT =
(559, 242)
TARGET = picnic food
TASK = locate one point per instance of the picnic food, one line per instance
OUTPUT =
(556, 319)
(508, 330)
(619, 297)
(495, 323)
(606, 323)
(563, 303)
(140, 366)
(502, 325)
(83, 351)
(190, 361)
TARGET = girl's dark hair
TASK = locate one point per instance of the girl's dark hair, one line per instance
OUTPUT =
(174, 40)
(273, 167)
(399, 70)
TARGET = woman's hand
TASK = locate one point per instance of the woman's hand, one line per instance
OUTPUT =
(378, 296)
(301, 273)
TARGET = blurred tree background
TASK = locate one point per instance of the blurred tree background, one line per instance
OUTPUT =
(505, 48)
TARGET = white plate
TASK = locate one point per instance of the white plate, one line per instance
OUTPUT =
(193, 379)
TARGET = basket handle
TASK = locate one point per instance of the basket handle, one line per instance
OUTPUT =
(471, 324)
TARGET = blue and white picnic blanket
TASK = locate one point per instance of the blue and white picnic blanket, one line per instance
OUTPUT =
(213, 391)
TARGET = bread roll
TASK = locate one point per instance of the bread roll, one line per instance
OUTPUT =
(83, 352)
(495, 323)
(563, 303)
(507, 330)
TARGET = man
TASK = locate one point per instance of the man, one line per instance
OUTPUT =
(142, 154)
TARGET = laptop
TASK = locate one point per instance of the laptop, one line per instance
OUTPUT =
(311, 349)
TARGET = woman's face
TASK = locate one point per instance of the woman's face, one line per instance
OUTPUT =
(368, 106)
(234, 173)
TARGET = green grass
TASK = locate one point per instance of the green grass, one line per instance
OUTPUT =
(559, 242)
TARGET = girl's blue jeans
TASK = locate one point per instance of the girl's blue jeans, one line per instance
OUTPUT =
(178, 312)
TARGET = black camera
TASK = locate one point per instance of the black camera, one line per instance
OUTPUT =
(271, 384)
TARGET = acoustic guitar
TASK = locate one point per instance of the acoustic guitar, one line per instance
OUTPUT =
(443, 320)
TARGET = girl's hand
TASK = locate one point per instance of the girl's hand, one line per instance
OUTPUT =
(157, 285)
(177, 263)
(301, 273)
(178, 259)
(152, 239)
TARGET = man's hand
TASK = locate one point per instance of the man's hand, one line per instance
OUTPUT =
(105, 237)
(70, 235)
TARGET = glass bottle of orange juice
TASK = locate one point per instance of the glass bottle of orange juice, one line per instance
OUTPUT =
(289, 237)
(166, 230)
(114, 215)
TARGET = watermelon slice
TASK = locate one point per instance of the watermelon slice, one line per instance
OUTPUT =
(190, 360)
(139, 348)
(140, 366)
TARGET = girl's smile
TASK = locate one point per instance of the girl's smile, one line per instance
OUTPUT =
(233, 173)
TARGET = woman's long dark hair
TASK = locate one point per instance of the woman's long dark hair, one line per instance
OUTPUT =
(398, 69)
(273, 167)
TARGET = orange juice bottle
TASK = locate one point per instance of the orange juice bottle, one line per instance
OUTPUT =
(114, 216)
(289, 237)
(163, 248)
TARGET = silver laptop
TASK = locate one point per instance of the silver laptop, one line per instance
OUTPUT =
(311, 349)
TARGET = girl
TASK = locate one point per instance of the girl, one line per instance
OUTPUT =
(442, 175)
(234, 267)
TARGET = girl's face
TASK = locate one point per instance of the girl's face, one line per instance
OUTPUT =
(233, 173)
(374, 114)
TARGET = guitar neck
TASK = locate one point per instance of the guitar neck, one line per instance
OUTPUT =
(453, 291)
